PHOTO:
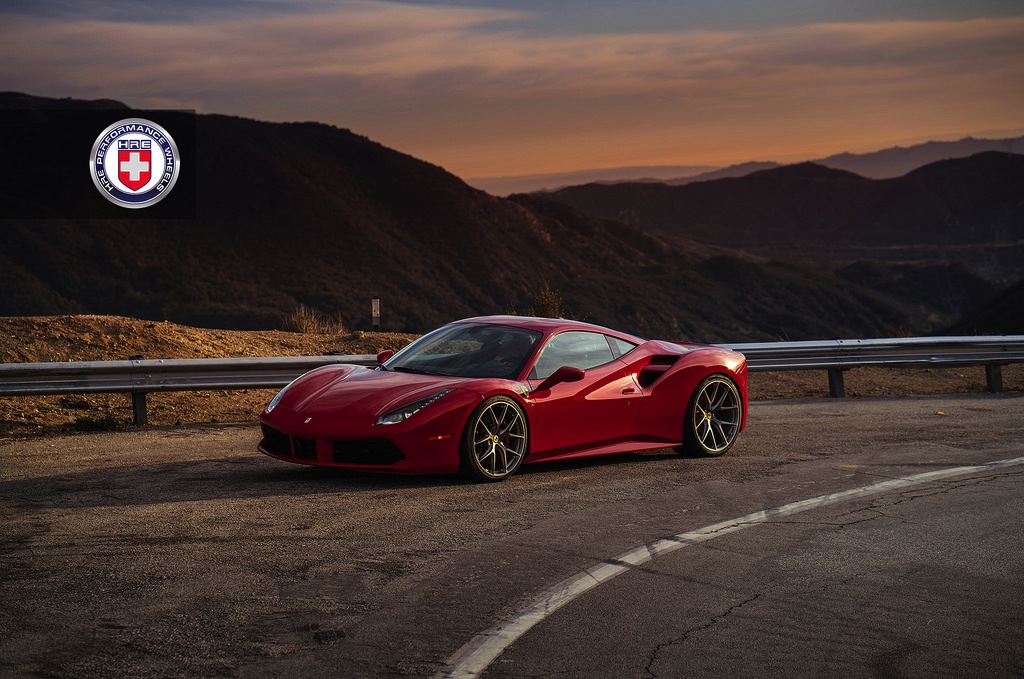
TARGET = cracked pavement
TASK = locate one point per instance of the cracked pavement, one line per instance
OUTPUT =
(180, 551)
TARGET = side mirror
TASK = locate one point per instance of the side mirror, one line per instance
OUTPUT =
(385, 355)
(566, 373)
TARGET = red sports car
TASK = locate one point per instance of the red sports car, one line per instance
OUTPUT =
(482, 396)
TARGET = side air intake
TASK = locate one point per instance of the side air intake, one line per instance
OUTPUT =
(654, 370)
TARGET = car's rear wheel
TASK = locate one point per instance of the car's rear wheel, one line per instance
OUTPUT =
(713, 417)
(495, 440)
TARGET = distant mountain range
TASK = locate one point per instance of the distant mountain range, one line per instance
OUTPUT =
(884, 164)
(305, 213)
(898, 161)
(970, 201)
(504, 186)
(938, 234)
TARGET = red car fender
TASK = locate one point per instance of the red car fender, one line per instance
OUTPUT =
(663, 410)
(519, 392)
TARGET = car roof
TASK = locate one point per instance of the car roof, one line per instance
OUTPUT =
(547, 326)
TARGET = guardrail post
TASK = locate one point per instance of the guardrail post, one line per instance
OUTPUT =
(994, 377)
(836, 388)
(139, 409)
(139, 416)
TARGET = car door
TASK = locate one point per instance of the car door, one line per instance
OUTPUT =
(597, 410)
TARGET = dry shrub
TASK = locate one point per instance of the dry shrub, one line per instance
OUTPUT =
(547, 303)
(308, 320)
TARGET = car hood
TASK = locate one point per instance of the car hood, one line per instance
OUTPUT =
(360, 391)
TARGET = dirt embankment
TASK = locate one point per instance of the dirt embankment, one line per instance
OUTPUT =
(111, 338)
(104, 338)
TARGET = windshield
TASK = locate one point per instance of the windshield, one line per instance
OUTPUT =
(467, 350)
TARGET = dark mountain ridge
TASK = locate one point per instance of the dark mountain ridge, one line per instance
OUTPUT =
(739, 170)
(944, 235)
(305, 213)
(884, 164)
(972, 200)
(887, 163)
(899, 160)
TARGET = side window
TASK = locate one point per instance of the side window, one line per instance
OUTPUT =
(622, 347)
(582, 350)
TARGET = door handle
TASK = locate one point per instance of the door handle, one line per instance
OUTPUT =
(629, 390)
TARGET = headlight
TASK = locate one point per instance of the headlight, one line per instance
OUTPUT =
(277, 398)
(405, 412)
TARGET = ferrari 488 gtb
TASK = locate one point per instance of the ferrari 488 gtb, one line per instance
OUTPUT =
(482, 396)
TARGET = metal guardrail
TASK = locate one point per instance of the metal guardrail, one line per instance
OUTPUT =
(139, 377)
(838, 356)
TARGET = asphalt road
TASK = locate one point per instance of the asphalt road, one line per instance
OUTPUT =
(183, 552)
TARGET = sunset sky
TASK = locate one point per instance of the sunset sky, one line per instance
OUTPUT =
(493, 88)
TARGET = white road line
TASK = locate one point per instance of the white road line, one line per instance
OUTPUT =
(472, 659)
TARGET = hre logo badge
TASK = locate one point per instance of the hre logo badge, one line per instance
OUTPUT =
(134, 163)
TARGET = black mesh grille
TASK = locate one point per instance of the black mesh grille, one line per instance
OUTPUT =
(305, 449)
(369, 451)
(276, 442)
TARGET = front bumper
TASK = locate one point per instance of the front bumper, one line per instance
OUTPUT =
(427, 443)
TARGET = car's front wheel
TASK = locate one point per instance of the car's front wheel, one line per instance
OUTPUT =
(713, 417)
(495, 440)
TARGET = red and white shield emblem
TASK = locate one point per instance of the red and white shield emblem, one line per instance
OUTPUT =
(134, 167)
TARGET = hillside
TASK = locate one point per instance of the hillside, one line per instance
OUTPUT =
(304, 213)
(1000, 315)
(945, 236)
(113, 338)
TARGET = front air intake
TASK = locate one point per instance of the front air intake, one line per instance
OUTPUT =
(276, 442)
(368, 451)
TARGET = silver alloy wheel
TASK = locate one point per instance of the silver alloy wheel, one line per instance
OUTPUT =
(716, 415)
(498, 438)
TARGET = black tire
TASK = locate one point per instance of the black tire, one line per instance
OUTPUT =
(495, 441)
(713, 417)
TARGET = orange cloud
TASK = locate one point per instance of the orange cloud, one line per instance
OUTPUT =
(465, 89)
